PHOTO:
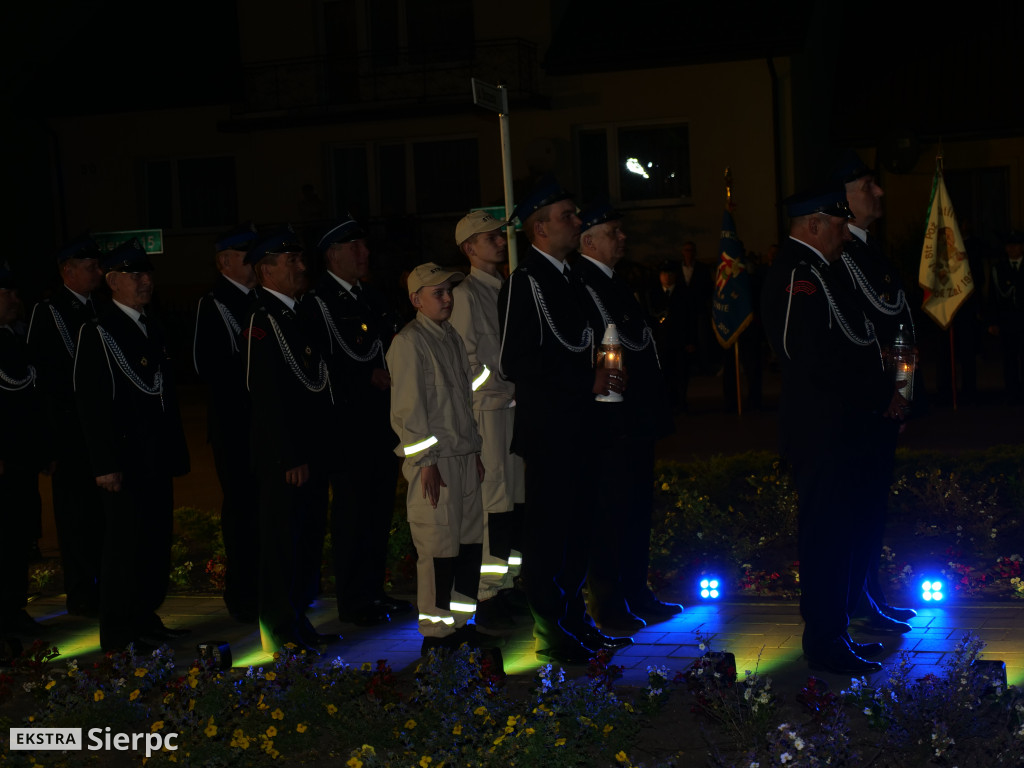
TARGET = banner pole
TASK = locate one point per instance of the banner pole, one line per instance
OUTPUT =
(952, 365)
(739, 392)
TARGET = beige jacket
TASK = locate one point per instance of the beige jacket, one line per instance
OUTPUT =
(431, 400)
(475, 317)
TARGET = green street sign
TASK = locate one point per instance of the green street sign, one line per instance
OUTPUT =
(152, 239)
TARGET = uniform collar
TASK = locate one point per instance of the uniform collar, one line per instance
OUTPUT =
(288, 301)
(807, 245)
(860, 234)
(238, 285)
(600, 265)
(344, 283)
(559, 265)
(77, 295)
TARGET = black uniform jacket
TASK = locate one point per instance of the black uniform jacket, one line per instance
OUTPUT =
(547, 348)
(218, 354)
(878, 288)
(53, 340)
(124, 385)
(289, 386)
(645, 411)
(24, 441)
(829, 381)
(354, 334)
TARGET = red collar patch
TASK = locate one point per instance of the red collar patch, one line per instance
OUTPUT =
(802, 286)
(254, 333)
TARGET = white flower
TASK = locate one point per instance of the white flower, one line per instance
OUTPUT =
(746, 695)
(798, 743)
(702, 646)
(867, 710)
(784, 727)
(785, 757)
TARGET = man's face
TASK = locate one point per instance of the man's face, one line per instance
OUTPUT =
(667, 279)
(434, 301)
(865, 199)
(133, 289)
(82, 276)
(832, 233)
(1014, 250)
(487, 249)
(609, 243)
(232, 264)
(689, 254)
(562, 229)
(284, 273)
(349, 261)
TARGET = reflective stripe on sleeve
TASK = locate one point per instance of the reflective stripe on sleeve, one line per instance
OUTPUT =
(409, 450)
(479, 380)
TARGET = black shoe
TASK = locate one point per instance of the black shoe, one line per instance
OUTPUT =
(865, 650)
(594, 638)
(880, 624)
(368, 615)
(566, 654)
(620, 623)
(652, 608)
(900, 614)
(493, 616)
(446, 643)
(838, 658)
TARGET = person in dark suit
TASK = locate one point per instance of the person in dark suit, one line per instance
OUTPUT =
(124, 385)
(353, 323)
(698, 287)
(832, 383)
(218, 354)
(878, 289)
(673, 331)
(291, 391)
(547, 350)
(619, 595)
(77, 501)
(24, 452)
(1008, 314)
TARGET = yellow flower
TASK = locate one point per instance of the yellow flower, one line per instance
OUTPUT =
(608, 728)
(622, 757)
(97, 696)
(425, 761)
(499, 739)
(156, 726)
(141, 672)
(530, 731)
(481, 710)
(168, 697)
(133, 695)
(366, 666)
(271, 731)
(457, 730)
(664, 486)
(277, 714)
(354, 762)
(512, 720)
(301, 727)
(331, 709)
(50, 684)
(271, 676)
(560, 742)
(410, 723)
(191, 704)
(210, 730)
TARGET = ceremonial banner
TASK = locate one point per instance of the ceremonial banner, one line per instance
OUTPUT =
(945, 274)
(731, 309)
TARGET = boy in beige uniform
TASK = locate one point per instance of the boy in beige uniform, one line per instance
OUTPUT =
(475, 316)
(432, 414)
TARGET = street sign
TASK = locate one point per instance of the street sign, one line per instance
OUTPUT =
(492, 97)
(152, 239)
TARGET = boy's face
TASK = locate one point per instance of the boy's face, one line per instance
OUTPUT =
(434, 301)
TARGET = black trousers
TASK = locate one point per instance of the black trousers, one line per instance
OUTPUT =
(78, 513)
(362, 508)
(239, 522)
(289, 550)
(19, 512)
(136, 559)
(561, 493)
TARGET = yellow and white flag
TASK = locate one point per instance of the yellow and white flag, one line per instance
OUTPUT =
(945, 274)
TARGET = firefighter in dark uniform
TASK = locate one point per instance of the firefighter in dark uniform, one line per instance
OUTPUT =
(24, 449)
(547, 350)
(352, 322)
(619, 595)
(1008, 314)
(218, 353)
(833, 383)
(877, 286)
(291, 391)
(77, 501)
(124, 383)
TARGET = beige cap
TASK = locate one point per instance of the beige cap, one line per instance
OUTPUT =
(432, 274)
(474, 223)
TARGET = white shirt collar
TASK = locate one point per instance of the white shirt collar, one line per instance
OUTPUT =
(82, 298)
(559, 265)
(238, 285)
(494, 281)
(134, 314)
(288, 300)
(343, 282)
(600, 265)
(860, 234)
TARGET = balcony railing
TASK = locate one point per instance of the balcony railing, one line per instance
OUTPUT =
(403, 76)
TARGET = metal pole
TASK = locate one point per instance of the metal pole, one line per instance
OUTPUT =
(739, 390)
(506, 171)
